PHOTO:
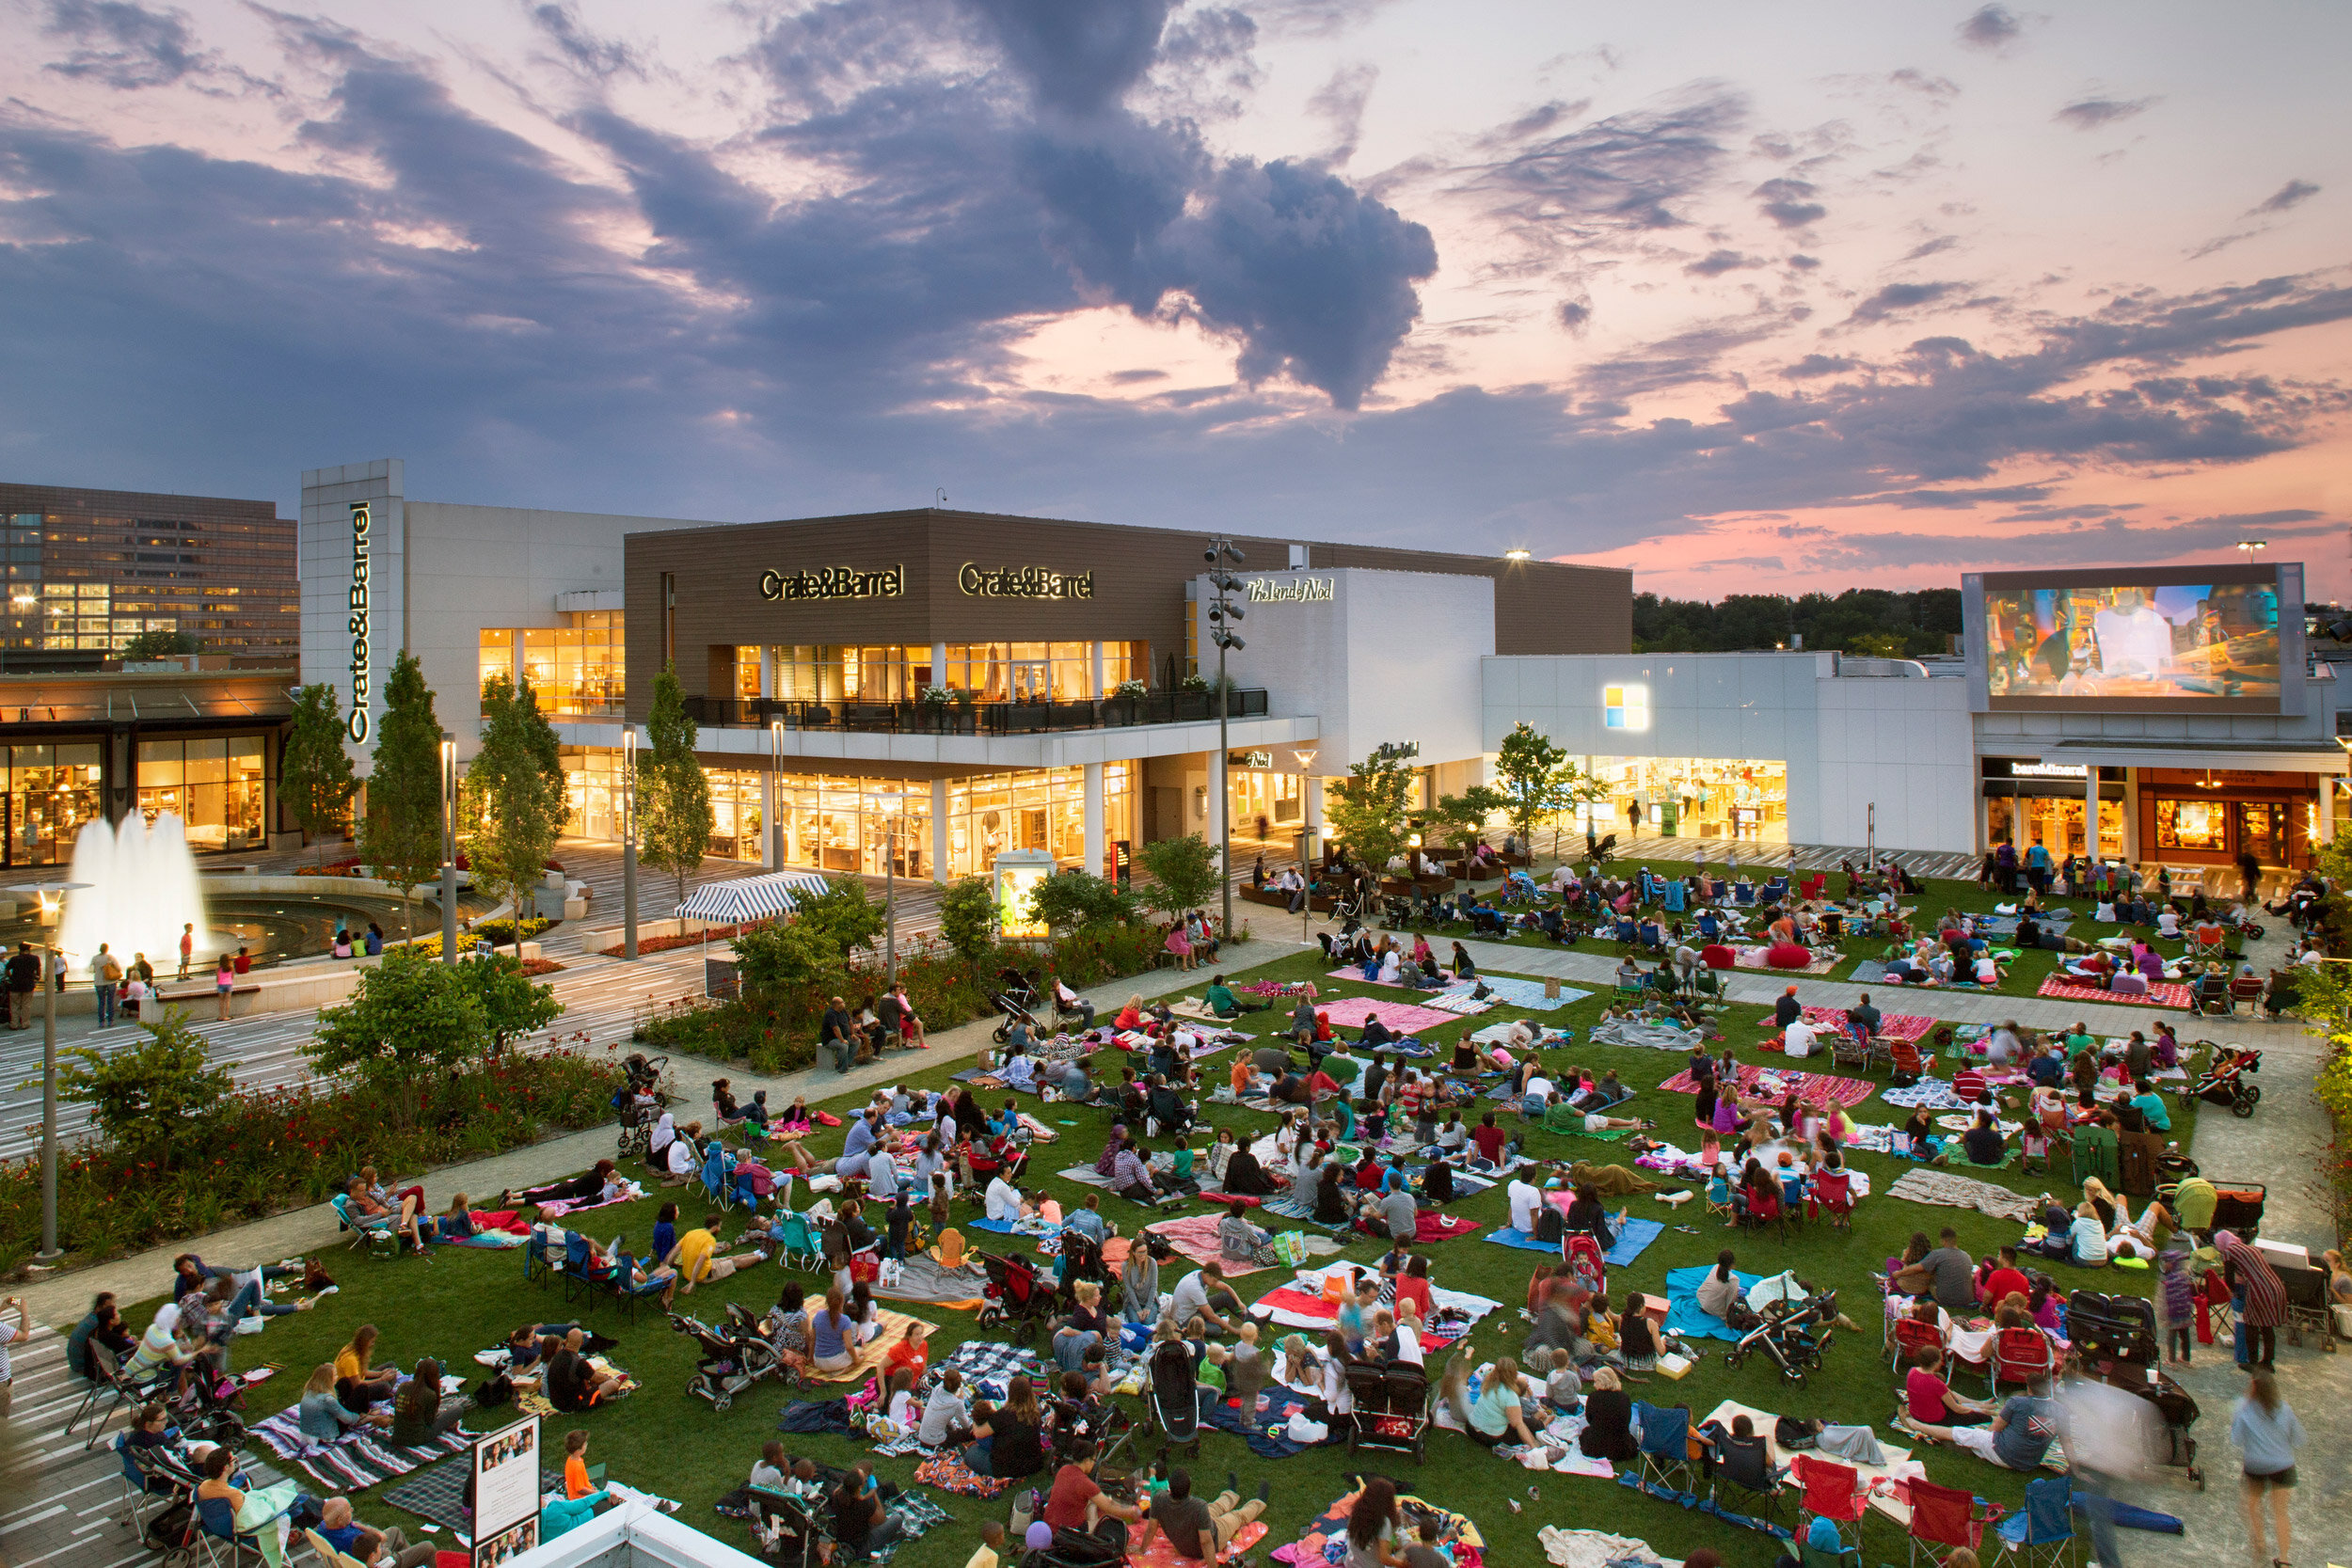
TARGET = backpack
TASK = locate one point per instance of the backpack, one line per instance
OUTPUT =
(1794, 1435)
(1549, 1225)
(494, 1391)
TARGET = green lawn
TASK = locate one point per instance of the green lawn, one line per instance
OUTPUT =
(664, 1440)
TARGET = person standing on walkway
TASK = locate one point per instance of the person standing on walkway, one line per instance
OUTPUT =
(2266, 1433)
(105, 973)
(187, 947)
(225, 985)
(23, 980)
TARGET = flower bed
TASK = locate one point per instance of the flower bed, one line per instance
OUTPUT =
(287, 1149)
(666, 944)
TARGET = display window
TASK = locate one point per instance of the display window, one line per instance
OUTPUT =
(2192, 825)
(1691, 798)
(51, 792)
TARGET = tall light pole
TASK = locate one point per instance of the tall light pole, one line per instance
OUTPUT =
(48, 1252)
(449, 849)
(890, 902)
(775, 771)
(1223, 612)
(628, 843)
(1306, 756)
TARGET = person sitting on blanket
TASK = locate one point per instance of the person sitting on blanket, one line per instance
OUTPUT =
(1244, 1176)
(1586, 1214)
(1131, 1177)
(2014, 1439)
(1982, 1144)
(1195, 1298)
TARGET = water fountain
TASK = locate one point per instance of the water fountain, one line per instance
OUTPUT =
(142, 888)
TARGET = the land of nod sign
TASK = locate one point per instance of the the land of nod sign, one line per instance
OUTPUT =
(1293, 590)
(360, 522)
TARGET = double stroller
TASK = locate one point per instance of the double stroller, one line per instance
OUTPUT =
(1791, 1335)
(735, 1355)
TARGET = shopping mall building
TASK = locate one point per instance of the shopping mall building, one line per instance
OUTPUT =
(2170, 709)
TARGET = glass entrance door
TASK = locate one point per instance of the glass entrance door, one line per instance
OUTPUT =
(1032, 682)
(2262, 832)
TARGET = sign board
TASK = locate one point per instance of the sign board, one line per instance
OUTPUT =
(1292, 589)
(1018, 872)
(506, 1493)
(1250, 759)
(1023, 582)
(834, 582)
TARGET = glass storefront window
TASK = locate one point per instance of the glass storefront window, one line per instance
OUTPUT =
(498, 655)
(2056, 821)
(2192, 825)
(1692, 798)
(51, 792)
(747, 671)
(591, 787)
(1039, 809)
(739, 813)
(213, 783)
(573, 671)
(1266, 805)
(1125, 661)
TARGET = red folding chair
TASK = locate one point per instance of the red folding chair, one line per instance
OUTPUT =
(1944, 1519)
(2019, 1356)
(1832, 1191)
(1911, 1335)
(1832, 1492)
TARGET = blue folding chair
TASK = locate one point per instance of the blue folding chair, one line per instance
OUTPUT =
(578, 1276)
(718, 1171)
(629, 1293)
(539, 1266)
(2041, 1534)
(376, 1234)
(1666, 1444)
(216, 1529)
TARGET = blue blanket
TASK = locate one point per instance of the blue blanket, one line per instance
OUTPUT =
(1633, 1237)
(1683, 1314)
(1263, 1431)
(1524, 1241)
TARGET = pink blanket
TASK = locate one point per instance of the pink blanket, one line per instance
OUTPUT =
(2161, 993)
(1195, 1236)
(1892, 1026)
(1818, 1089)
(1349, 1012)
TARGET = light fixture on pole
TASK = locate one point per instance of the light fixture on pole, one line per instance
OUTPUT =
(628, 843)
(449, 849)
(890, 901)
(2247, 547)
(50, 953)
(1518, 555)
(1223, 614)
(775, 766)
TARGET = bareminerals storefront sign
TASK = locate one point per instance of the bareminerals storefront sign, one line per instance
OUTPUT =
(833, 582)
(1023, 582)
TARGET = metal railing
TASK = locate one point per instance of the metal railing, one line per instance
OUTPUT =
(1153, 707)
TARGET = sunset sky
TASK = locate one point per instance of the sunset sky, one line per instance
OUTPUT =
(1749, 298)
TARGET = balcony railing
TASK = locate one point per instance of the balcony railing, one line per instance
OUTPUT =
(1155, 707)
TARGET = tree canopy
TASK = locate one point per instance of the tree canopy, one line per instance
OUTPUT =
(410, 1019)
(1872, 622)
(401, 835)
(1368, 809)
(314, 778)
(673, 815)
(515, 797)
(1182, 871)
(154, 1098)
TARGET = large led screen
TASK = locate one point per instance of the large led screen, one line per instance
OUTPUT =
(2125, 641)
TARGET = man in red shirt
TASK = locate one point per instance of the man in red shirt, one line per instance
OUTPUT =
(2004, 1280)
(1075, 1501)
(1968, 1085)
(1489, 1139)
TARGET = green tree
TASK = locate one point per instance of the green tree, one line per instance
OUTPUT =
(1073, 900)
(158, 645)
(1462, 818)
(1369, 808)
(410, 1021)
(842, 914)
(512, 1002)
(401, 835)
(156, 1100)
(515, 797)
(967, 919)
(1530, 773)
(314, 774)
(782, 965)
(674, 815)
(1183, 873)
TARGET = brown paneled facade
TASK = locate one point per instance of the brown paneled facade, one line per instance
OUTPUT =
(901, 580)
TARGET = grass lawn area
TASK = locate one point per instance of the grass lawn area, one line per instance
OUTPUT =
(666, 1441)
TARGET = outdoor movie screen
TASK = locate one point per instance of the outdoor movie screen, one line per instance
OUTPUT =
(2133, 641)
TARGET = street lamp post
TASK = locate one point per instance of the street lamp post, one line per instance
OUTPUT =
(449, 849)
(1306, 756)
(50, 1252)
(1223, 614)
(775, 771)
(890, 903)
(628, 843)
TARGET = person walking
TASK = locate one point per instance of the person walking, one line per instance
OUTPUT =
(105, 973)
(187, 947)
(2266, 1433)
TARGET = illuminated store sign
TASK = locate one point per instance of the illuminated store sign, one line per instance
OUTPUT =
(2049, 770)
(1023, 582)
(1624, 708)
(361, 520)
(1293, 590)
(834, 582)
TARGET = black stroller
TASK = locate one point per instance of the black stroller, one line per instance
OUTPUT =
(1174, 1396)
(1392, 1408)
(1081, 1260)
(2107, 1331)
(1791, 1335)
(734, 1357)
(1015, 1010)
(639, 1101)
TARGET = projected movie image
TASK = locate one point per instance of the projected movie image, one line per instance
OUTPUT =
(2122, 641)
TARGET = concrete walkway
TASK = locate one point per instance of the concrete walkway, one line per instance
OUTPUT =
(61, 1299)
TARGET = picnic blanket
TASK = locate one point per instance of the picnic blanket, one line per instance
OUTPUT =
(1523, 1240)
(1195, 1236)
(990, 1364)
(1323, 1540)
(557, 1207)
(872, 1354)
(1431, 1226)
(1401, 1018)
(1262, 1429)
(1301, 1305)
(948, 1471)
(354, 1461)
(1886, 1496)
(1824, 960)
(2161, 993)
(1892, 1026)
(1651, 1037)
(1945, 1190)
(1932, 1094)
(1300, 1212)
(1686, 1317)
(1815, 1088)
(1633, 1237)
(438, 1492)
(921, 1279)
(1512, 991)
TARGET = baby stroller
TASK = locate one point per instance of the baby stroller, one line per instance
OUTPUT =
(1015, 1011)
(2104, 1329)
(2224, 1080)
(1082, 1258)
(733, 1358)
(1174, 1396)
(1017, 1300)
(639, 1103)
(1791, 1335)
(1392, 1408)
(208, 1411)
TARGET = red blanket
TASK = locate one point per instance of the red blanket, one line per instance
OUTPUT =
(1818, 1089)
(1892, 1026)
(1434, 1227)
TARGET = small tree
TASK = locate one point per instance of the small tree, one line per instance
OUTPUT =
(1073, 900)
(674, 816)
(158, 1099)
(782, 966)
(512, 1002)
(1183, 873)
(148, 645)
(967, 919)
(1369, 808)
(400, 834)
(410, 1021)
(515, 797)
(314, 774)
(842, 914)
(1577, 788)
(1531, 775)
(1463, 817)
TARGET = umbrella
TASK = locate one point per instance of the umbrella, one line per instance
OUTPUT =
(747, 898)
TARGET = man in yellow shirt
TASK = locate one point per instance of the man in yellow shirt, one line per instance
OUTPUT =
(693, 1260)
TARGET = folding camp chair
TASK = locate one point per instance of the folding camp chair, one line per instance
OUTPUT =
(540, 1262)
(113, 1380)
(1944, 1519)
(2041, 1534)
(1745, 1463)
(1849, 1047)
(797, 1241)
(1832, 1192)
(1905, 1059)
(2206, 942)
(2019, 1356)
(325, 1551)
(1832, 1492)
(1666, 1444)
(579, 1279)
(376, 1233)
(1911, 1335)
(216, 1535)
(629, 1294)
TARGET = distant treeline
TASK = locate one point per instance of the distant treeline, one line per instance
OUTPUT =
(1861, 621)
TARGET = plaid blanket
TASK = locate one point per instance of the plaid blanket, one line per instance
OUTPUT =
(353, 1462)
(2161, 993)
(1301, 1213)
(438, 1492)
(949, 1473)
(989, 1366)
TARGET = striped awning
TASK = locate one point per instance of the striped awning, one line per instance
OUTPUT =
(732, 903)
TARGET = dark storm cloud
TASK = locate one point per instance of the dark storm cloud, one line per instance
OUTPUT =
(2293, 193)
(1819, 364)
(2088, 113)
(1991, 26)
(1788, 202)
(1630, 170)
(1078, 55)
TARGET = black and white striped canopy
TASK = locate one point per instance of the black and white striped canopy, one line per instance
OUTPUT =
(745, 899)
